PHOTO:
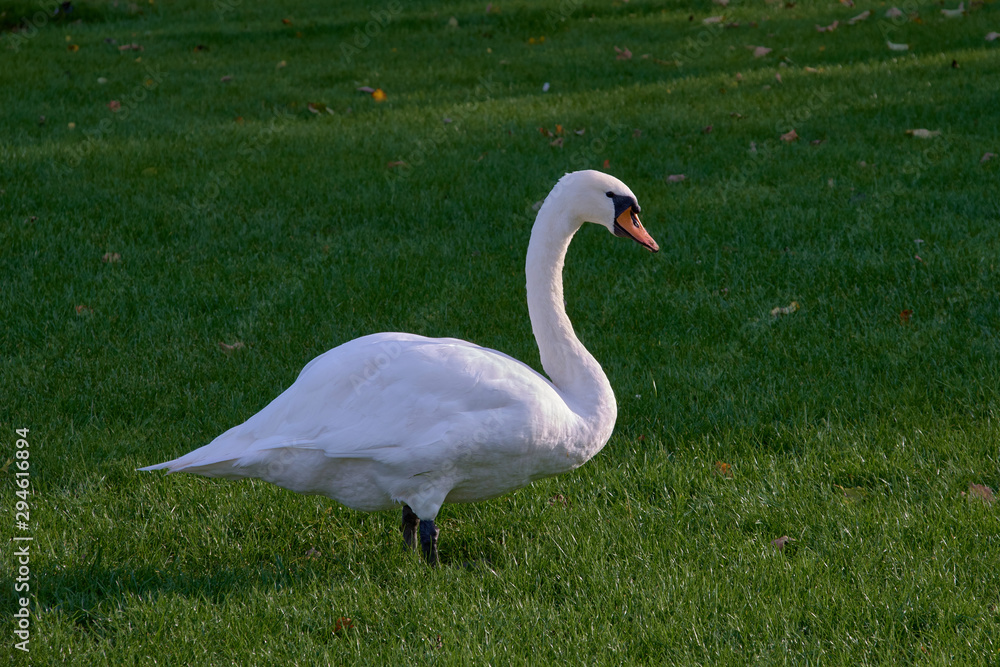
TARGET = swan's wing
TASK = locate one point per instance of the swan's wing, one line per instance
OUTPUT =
(387, 408)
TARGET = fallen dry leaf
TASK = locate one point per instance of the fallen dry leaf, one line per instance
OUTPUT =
(712, 19)
(623, 54)
(863, 16)
(281, 64)
(230, 348)
(816, 142)
(777, 77)
(987, 157)
(557, 142)
(606, 164)
(921, 133)
(905, 316)
(760, 51)
(227, 78)
(723, 469)
(379, 95)
(812, 70)
(675, 178)
(111, 258)
(115, 106)
(847, 3)
(396, 163)
(313, 554)
(72, 48)
(981, 492)
(898, 47)
(791, 135)
(827, 28)
(706, 130)
(287, 21)
(893, 12)
(779, 543)
(559, 499)
(130, 47)
(83, 309)
(778, 311)
(342, 625)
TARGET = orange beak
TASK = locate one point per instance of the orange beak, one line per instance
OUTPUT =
(627, 225)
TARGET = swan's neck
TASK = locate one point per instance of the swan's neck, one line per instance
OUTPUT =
(571, 368)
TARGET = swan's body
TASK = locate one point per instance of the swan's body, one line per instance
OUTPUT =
(394, 418)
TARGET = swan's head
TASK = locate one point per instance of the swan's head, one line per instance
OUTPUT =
(603, 199)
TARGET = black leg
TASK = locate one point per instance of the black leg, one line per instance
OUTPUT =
(429, 541)
(409, 527)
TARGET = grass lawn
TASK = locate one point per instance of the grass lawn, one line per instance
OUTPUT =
(177, 177)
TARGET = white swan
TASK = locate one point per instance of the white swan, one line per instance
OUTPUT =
(394, 418)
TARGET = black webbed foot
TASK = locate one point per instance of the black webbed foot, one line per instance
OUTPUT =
(409, 527)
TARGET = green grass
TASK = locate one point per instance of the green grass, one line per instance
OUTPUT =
(239, 215)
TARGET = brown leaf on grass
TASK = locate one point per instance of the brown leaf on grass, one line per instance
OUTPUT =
(230, 348)
(675, 178)
(342, 625)
(982, 493)
(287, 21)
(623, 54)
(893, 13)
(379, 95)
(606, 164)
(706, 130)
(313, 554)
(863, 16)
(760, 51)
(812, 70)
(83, 309)
(397, 163)
(545, 132)
(281, 64)
(712, 19)
(227, 78)
(777, 77)
(723, 469)
(827, 28)
(559, 130)
(847, 3)
(111, 258)
(778, 311)
(921, 133)
(790, 136)
(115, 106)
(816, 142)
(559, 499)
(780, 542)
(72, 48)
(987, 157)
(905, 316)
(557, 142)
(130, 47)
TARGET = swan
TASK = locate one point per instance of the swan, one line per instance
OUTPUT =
(394, 419)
